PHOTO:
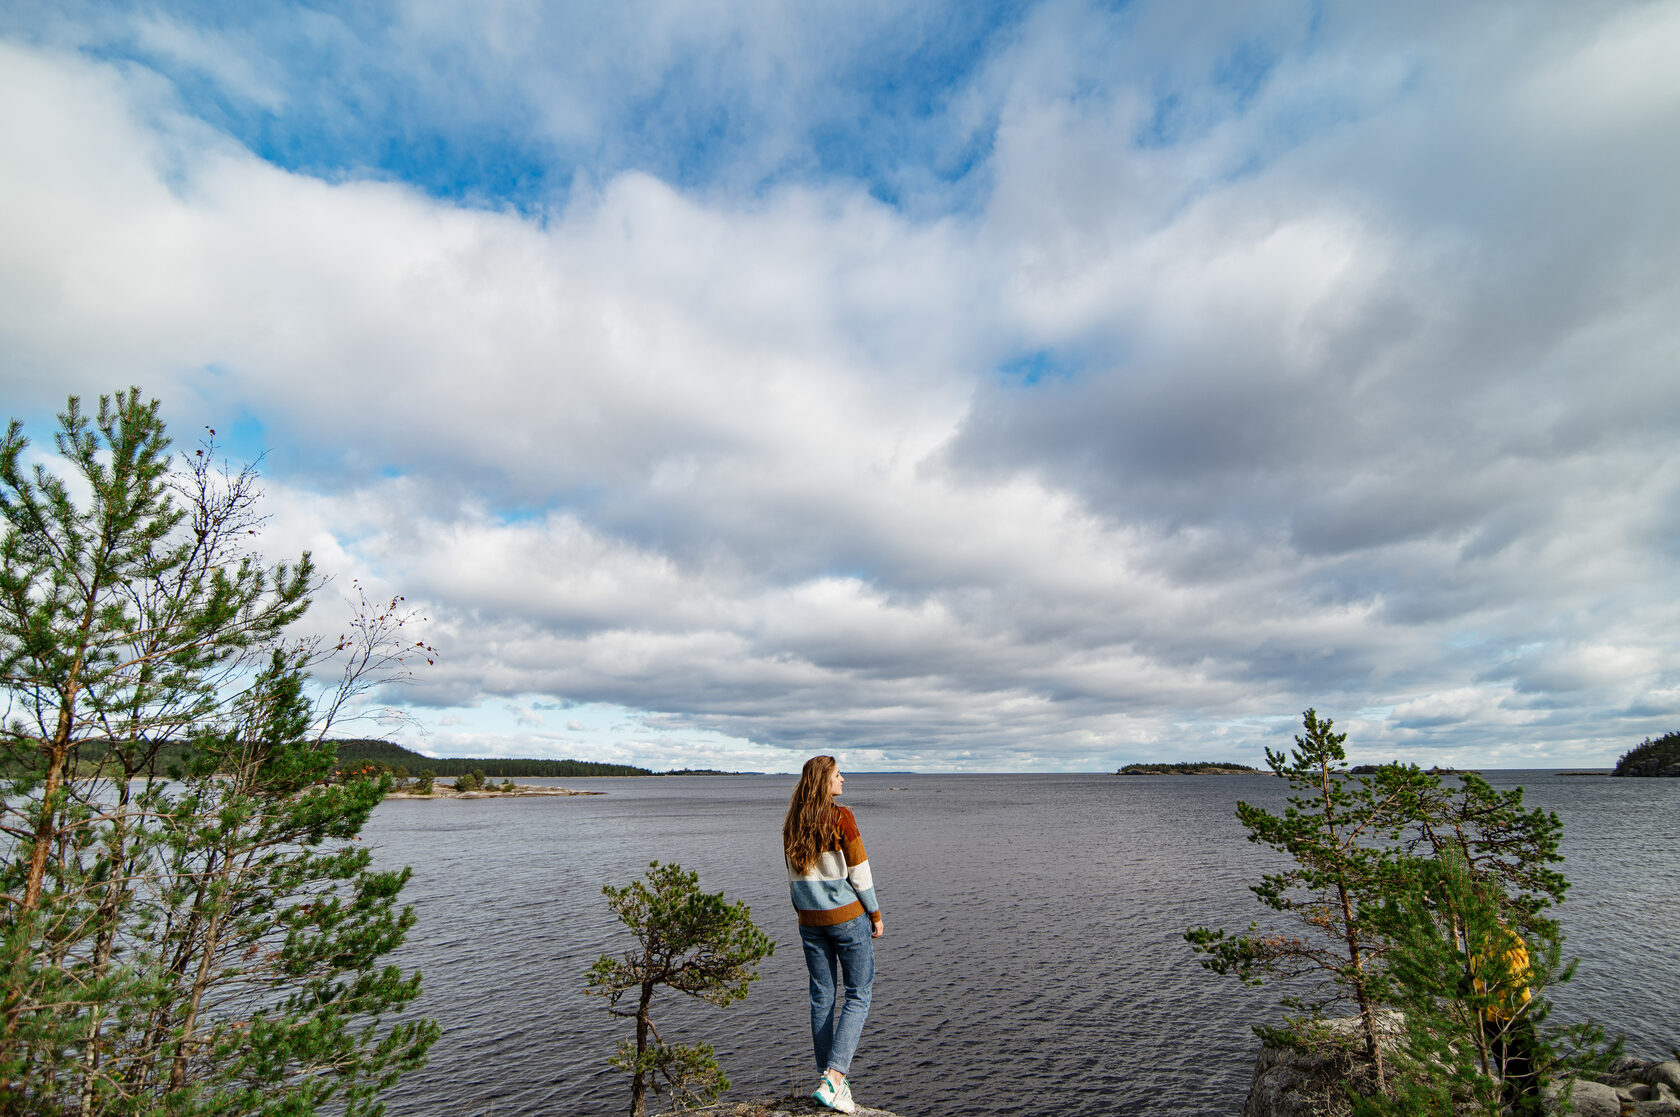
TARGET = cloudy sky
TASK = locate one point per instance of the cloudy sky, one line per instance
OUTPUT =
(948, 386)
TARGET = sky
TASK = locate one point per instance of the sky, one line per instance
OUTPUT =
(946, 386)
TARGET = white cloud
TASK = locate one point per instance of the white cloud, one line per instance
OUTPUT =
(225, 62)
(1344, 406)
(1618, 76)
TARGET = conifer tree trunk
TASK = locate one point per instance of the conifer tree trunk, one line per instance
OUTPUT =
(110, 909)
(189, 1025)
(46, 818)
(1361, 988)
(644, 1022)
(1350, 926)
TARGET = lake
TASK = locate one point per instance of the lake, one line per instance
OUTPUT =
(1033, 960)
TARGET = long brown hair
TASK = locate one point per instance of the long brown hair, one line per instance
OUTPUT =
(811, 827)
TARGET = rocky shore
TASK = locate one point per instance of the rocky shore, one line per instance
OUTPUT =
(1290, 1083)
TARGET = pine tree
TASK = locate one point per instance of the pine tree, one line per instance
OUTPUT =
(1331, 833)
(691, 941)
(1481, 874)
(158, 942)
(1417, 896)
(1471, 983)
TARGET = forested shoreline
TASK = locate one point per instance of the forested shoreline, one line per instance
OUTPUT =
(1189, 768)
(362, 752)
(1660, 757)
(359, 751)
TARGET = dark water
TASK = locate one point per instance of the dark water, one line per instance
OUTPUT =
(1033, 961)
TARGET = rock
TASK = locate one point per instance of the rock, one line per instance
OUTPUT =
(1625, 1068)
(1647, 1088)
(1286, 1091)
(1594, 1099)
(1310, 1083)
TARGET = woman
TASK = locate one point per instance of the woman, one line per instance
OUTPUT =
(828, 874)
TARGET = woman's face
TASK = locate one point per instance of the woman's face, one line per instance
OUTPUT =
(836, 782)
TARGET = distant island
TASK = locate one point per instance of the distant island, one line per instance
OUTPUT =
(1373, 769)
(1660, 757)
(508, 790)
(1230, 768)
(1188, 768)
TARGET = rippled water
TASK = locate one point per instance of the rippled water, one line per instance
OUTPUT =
(1033, 961)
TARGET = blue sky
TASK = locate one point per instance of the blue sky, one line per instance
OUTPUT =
(948, 386)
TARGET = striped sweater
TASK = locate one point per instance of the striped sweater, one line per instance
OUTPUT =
(838, 886)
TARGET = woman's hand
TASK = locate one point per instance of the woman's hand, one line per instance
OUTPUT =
(876, 927)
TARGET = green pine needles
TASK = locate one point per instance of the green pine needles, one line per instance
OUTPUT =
(208, 940)
(1404, 893)
(694, 942)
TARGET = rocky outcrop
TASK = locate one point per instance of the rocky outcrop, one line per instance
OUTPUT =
(1311, 1081)
(1632, 1086)
(1308, 1082)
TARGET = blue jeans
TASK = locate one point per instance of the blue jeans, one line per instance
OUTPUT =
(832, 954)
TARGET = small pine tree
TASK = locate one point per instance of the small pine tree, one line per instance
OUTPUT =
(1337, 870)
(691, 941)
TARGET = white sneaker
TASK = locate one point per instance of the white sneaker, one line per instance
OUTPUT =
(838, 1098)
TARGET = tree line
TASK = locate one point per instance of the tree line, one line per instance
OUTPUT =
(1186, 768)
(393, 756)
(1660, 757)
